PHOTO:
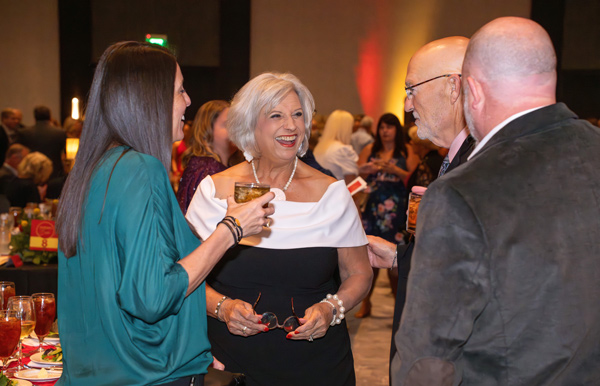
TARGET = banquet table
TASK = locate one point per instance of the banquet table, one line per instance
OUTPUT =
(30, 279)
(28, 351)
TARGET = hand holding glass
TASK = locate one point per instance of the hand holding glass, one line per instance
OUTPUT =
(247, 191)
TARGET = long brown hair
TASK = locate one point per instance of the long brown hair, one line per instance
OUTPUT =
(130, 103)
(399, 141)
(202, 131)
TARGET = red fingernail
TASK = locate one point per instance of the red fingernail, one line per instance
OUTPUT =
(296, 332)
(266, 329)
(260, 322)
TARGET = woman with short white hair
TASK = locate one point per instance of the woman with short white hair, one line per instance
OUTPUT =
(307, 266)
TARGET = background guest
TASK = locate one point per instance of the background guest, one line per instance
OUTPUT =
(362, 137)
(179, 147)
(14, 155)
(430, 161)
(31, 182)
(9, 121)
(334, 152)
(45, 138)
(209, 149)
(73, 127)
(37, 168)
(17, 191)
(383, 166)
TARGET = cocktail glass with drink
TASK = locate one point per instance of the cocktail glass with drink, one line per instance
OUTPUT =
(10, 330)
(7, 290)
(414, 199)
(44, 305)
(247, 191)
(16, 212)
(23, 305)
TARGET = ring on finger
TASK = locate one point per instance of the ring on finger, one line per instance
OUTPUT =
(310, 338)
(244, 330)
(268, 222)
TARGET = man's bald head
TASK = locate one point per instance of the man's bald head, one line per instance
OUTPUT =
(510, 47)
(443, 56)
(437, 105)
(510, 66)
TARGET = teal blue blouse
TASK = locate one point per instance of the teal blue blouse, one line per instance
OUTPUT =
(122, 312)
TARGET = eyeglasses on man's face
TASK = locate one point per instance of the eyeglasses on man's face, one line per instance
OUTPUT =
(409, 89)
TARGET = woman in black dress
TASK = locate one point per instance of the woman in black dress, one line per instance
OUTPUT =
(311, 259)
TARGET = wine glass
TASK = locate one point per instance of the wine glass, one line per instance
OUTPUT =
(24, 307)
(10, 330)
(45, 313)
(7, 290)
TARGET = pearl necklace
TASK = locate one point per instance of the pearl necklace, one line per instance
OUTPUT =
(289, 181)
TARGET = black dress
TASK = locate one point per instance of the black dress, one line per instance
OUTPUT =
(305, 274)
(295, 258)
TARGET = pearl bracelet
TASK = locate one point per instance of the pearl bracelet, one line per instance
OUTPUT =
(337, 317)
(219, 306)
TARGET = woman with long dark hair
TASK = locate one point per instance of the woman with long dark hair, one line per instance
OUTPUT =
(131, 294)
(383, 164)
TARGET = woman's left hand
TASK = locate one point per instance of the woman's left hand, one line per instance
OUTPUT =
(315, 323)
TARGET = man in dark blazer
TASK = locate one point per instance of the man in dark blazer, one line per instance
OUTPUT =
(46, 138)
(434, 97)
(9, 126)
(504, 285)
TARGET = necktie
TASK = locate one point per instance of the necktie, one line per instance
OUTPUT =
(444, 167)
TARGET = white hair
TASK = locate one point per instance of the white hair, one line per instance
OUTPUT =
(263, 94)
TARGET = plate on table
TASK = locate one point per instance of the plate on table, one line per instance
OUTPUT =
(37, 358)
(35, 376)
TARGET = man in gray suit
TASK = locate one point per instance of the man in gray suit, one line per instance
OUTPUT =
(504, 285)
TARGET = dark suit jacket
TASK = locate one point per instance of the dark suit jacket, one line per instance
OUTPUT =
(48, 140)
(504, 288)
(405, 251)
(19, 191)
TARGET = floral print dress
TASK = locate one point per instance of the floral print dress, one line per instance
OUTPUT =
(385, 212)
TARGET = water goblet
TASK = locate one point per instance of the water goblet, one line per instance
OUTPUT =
(10, 330)
(7, 290)
(23, 305)
(44, 305)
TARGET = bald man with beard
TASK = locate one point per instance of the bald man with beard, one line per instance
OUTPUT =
(434, 97)
(504, 285)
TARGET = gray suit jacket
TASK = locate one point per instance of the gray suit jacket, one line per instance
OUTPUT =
(504, 287)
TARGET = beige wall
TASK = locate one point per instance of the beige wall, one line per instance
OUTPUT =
(353, 55)
(29, 59)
